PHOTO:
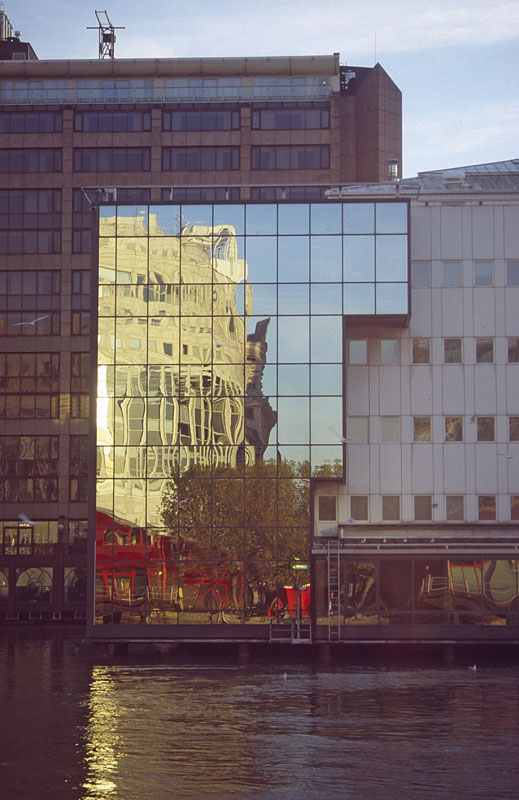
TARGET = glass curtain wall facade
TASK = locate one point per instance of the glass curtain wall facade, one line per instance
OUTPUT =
(220, 396)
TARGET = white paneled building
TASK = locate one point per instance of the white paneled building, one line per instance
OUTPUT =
(432, 421)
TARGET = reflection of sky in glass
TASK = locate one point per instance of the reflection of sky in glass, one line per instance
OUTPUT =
(293, 339)
(261, 220)
(326, 256)
(293, 253)
(392, 298)
(391, 218)
(168, 220)
(326, 218)
(264, 298)
(326, 298)
(326, 420)
(293, 420)
(359, 298)
(261, 259)
(359, 258)
(293, 299)
(391, 258)
(197, 215)
(358, 217)
(230, 215)
(293, 218)
(326, 339)
(293, 379)
(326, 379)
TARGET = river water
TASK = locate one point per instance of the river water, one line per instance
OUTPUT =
(153, 727)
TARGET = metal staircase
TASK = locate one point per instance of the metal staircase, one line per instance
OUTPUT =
(334, 591)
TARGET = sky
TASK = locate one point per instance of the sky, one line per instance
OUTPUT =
(455, 61)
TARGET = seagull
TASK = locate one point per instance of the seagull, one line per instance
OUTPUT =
(352, 519)
(182, 502)
(32, 322)
(435, 505)
(25, 519)
(473, 667)
(473, 418)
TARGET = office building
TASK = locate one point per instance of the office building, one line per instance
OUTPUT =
(76, 136)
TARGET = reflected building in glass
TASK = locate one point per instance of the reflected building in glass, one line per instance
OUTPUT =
(220, 396)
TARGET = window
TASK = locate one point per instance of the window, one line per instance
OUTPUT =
(203, 195)
(81, 288)
(312, 156)
(98, 121)
(513, 350)
(389, 351)
(452, 351)
(421, 351)
(79, 385)
(30, 121)
(30, 160)
(512, 273)
(483, 273)
(327, 508)
(197, 159)
(112, 159)
(357, 429)
(390, 429)
(80, 323)
(484, 351)
(359, 507)
(290, 118)
(78, 467)
(513, 429)
(30, 221)
(420, 273)
(36, 297)
(23, 462)
(81, 222)
(289, 192)
(421, 429)
(390, 508)
(218, 120)
(422, 507)
(453, 429)
(29, 385)
(514, 507)
(487, 506)
(452, 273)
(454, 506)
(358, 351)
(485, 429)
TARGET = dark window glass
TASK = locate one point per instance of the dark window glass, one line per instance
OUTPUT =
(218, 120)
(291, 157)
(513, 429)
(485, 429)
(194, 159)
(30, 160)
(513, 350)
(359, 507)
(423, 508)
(30, 121)
(453, 429)
(452, 351)
(484, 351)
(454, 506)
(487, 506)
(390, 507)
(112, 159)
(327, 508)
(290, 119)
(421, 351)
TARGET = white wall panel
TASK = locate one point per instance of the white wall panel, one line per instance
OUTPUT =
(453, 384)
(482, 232)
(454, 468)
(452, 312)
(484, 312)
(389, 390)
(390, 469)
(451, 233)
(357, 390)
(485, 388)
(422, 468)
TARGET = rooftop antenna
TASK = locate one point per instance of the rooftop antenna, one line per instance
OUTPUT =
(106, 34)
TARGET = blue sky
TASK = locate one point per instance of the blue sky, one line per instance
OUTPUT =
(456, 61)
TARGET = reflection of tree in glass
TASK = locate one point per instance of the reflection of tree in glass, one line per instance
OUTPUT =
(253, 519)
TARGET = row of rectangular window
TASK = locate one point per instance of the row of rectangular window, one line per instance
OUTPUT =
(29, 242)
(421, 351)
(28, 202)
(40, 323)
(195, 120)
(194, 159)
(31, 122)
(29, 281)
(423, 508)
(452, 273)
(42, 159)
(28, 490)
(390, 429)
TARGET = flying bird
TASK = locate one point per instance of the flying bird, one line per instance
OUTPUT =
(32, 322)
(25, 519)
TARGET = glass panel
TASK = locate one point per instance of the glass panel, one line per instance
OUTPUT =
(359, 258)
(326, 418)
(395, 590)
(229, 215)
(293, 339)
(454, 507)
(326, 379)
(261, 259)
(357, 429)
(392, 298)
(164, 220)
(326, 298)
(326, 339)
(389, 351)
(390, 429)
(293, 298)
(293, 420)
(359, 217)
(391, 217)
(453, 429)
(326, 217)
(452, 273)
(293, 379)
(293, 218)
(326, 258)
(483, 273)
(391, 258)
(359, 298)
(421, 429)
(261, 219)
(431, 588)
(361, 593)
(293, 258)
